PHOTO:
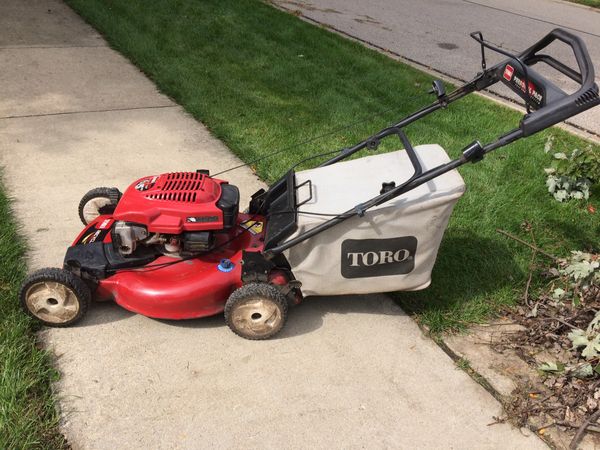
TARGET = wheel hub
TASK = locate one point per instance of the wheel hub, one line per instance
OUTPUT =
(52, 302)
(91, 210)
(257, 316)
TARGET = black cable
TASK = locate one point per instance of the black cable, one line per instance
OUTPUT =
(313, 157)
(321, 136)
(150, 268)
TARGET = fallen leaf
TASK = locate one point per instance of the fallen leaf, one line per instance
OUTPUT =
(583, 371)
(551, 367)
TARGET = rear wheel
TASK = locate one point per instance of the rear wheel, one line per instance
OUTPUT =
(101, 200)
(55, 297)
(256, 311)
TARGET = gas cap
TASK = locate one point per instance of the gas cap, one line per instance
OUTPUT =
(226, 265)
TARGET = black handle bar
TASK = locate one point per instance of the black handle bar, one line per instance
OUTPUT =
(586, 68)
(551, 104)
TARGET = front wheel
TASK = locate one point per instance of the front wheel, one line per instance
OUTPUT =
(55, 297)
(101, 200)
(256, 311)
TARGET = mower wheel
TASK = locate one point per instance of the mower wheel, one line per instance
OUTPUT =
(256, 311)
(55, 297)
(101, 200)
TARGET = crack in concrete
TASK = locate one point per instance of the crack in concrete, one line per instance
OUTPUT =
(26, 47)
(529, 17)
(88, 111)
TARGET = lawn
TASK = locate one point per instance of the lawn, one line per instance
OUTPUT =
(262, 79)
(592, 3)
(28, 416)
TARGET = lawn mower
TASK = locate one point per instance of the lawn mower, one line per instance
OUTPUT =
(176, 246)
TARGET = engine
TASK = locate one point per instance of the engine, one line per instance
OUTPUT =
(179, 213)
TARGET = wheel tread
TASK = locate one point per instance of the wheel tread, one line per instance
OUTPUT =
(252, 290)
(81, 290)
(113, 194)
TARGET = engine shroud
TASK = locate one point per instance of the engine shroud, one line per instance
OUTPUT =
(176, 202)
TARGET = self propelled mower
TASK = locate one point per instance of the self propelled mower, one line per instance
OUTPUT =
(175, 246)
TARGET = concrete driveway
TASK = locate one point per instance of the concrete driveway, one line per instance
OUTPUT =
(349, 372)
(434, 34)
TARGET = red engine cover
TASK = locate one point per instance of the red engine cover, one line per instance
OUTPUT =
(172, 203)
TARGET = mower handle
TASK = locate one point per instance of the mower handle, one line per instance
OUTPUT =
(551, 104)
(584, 98)
(586, 67)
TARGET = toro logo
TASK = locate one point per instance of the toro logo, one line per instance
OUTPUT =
(378, 257)
(508, 72)
(146, 184)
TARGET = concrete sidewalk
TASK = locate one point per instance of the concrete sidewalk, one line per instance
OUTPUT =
(434, 34)
(349, 372)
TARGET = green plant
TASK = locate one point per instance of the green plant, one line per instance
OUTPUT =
(583, 273)
(579, 277)
(583, 269)
(581, 370)
(588, 339)
(571, 175)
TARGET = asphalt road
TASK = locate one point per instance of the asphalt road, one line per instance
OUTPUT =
(435, 33)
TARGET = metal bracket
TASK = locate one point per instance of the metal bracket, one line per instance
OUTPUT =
(310, 192)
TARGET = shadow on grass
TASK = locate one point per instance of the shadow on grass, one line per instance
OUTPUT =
(470, 271)
(579, 238)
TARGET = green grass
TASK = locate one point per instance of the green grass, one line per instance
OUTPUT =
(28, 417)
(592, 3)
(262, 79)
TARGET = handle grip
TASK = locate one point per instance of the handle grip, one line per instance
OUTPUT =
(586, 74)
(563, 108)
(552, 105)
